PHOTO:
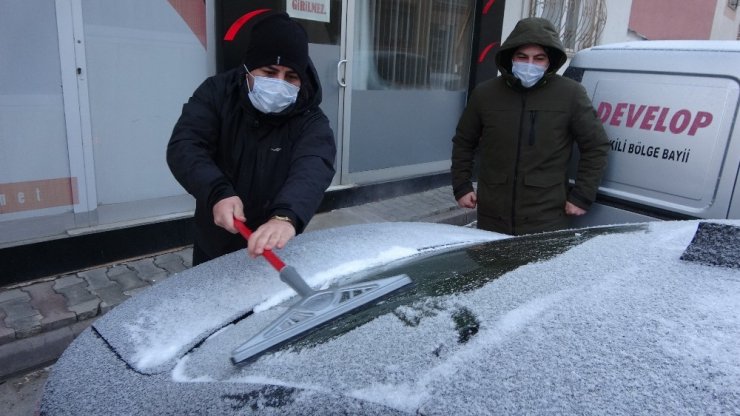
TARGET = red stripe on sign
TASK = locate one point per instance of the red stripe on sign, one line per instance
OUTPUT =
(31, 195)
(485, 52)
(236, 26)
(193, 12)
(488, 6)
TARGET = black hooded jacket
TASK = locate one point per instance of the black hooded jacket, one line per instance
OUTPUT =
(278, 164)
(525, 137)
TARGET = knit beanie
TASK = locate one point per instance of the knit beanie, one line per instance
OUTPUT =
(276, 39)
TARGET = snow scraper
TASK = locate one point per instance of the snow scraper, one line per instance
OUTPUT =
(313, 309)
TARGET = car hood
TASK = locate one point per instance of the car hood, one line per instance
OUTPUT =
(155, 328)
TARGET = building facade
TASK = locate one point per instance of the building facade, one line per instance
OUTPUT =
(90, 90)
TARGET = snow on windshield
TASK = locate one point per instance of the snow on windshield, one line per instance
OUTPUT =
(323, 278)
(157, 326)
(618, 322)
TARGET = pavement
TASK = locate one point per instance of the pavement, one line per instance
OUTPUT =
(40, 318)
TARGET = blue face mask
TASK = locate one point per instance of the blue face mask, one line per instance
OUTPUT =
(528, 73)
(271, 95)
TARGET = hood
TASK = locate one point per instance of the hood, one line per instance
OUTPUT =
(153, 330)
(508, 325)
(310, 96)
(532, 30)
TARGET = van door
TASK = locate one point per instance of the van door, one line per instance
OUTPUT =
(670, 140)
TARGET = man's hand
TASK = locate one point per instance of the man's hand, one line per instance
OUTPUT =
(573, 210)
(272, 234)
(468, 200)
(224, 212)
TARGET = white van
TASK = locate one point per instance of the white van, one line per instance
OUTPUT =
(670, 110)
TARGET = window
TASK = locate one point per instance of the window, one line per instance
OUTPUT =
(580, 21)
(414, 44)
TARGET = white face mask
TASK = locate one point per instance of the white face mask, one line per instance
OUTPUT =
(528, 73)
(272, 95)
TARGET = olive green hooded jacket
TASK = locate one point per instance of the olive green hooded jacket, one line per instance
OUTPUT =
(524, 137)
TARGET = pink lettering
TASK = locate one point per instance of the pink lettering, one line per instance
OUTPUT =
(603, 111)
(660, 125)
(653, 117)
(618, 113)
(649, 117)
(680, 121)
(633, 116)
(703, 119)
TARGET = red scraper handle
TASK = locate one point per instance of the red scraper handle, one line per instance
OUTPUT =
(267, 254)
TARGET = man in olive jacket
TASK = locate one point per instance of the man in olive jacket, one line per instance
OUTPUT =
(524, 124)
(253, 144)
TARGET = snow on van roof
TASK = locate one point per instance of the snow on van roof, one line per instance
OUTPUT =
(664, 56)
(676, 45)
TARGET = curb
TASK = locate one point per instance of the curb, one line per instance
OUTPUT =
(37, 351)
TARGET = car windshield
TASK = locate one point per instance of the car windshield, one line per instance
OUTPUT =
(444, 285)
(455, 273)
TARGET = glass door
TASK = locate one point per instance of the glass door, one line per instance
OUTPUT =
(406, 82)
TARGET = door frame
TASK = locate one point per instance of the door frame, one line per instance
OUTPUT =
(76, 105)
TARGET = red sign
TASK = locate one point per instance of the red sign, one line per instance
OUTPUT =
(46, 193)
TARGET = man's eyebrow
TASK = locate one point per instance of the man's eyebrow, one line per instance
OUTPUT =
(289, 71)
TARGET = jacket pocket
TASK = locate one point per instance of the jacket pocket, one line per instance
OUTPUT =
(542, 196)
(494, 195)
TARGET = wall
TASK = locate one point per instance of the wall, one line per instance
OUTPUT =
(617, 23)
(673, 19)
(726, 25)
(86, 109)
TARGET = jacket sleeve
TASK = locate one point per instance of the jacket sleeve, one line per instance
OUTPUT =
(310, 174)
(464, 145)
(593, 146)
(193, 145)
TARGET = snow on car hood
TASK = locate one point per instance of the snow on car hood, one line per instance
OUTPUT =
(154, 328)
(618, 322)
